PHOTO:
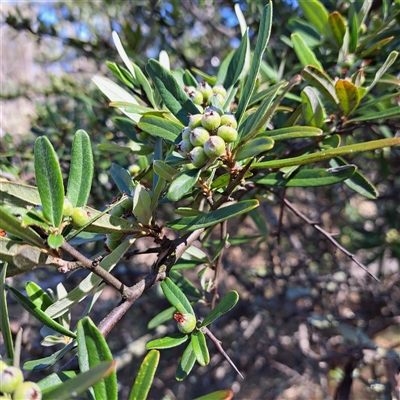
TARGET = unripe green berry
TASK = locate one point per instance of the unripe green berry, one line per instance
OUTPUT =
(199, 136)
(195, 121)
(229, 119)
(67, 208)
(205, 89)
(219, 97)
(227, 133)
(142, 136)
(196, 97)
(219, 89)
(198, 157)
(186, 133)
(27, 391)
(189, 89)
(10, 379)
(79, 217)
(112, 244)
(134, 169)
(214, 147)
(185, 146)
(186, 322)
(200, 108)
(211, 120)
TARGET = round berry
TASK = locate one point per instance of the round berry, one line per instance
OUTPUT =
(214, 147)
(229, 119)
(195, 120)
(185, 146)
(211, 120)
(67, 208)
(217, 96)
(10, 379)
(186, 133)
(205, 89)
(227, 133)
(189, 89)
(198, 157)
(186, 322)
(79, 217)
(219, 89)
(196, 97)
(199, 136)
(27, 391)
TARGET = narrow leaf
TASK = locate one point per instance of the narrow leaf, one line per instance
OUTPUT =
(160, 127)
(164, 170)
(55, 379)
(49, 180)
(328, 154)
(162, 317)
(226, 304)
(183, 183)
(353, 28)
(185, 285)
(141, 204)
(308, 177)
(200, 349)
(145, 376)
(186, 364)
(167, 342)
(315, 13)
(393, 112)
(385, 66)
(78, 385)
(122, 178)
(293, 132)
(348, 95)
(254, 147)
(144, 83)
(213, 217)
(122, 53)
(17, 194)
(176, 297)
(4, 318)
(261, 44)
(37, 313)
(313, 109)
(218, 395)
(305, 55)
(92, 351)
(175, 99)
(338, 26)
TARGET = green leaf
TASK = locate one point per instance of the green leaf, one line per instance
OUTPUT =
(305, 55)
(328, 154)
(81, 170)
(162, 317)
(237, 63)
(167, 342)
(261, 44)
(182, 183)
(92, 351)
(375, 46)
(37, 313)
(142, 204)
(358, 182)
(293, 132)
(218, 395)
(122, 178)
(145, 376)
(353, 28)
(133, 148)
(321, 81)
(393, 112)
(307, 177)
(176, 297)
(122, 53)
(160, 127)
(126, 126)
(254, 147)
(199, 347)
(28, 257)
(122, 74)
(385, 66)
(49, 181)
(185, 285)
(144, 83)
(12, 224)
(164, 170)
(4, 318)
(313, 109)
(55, 379)
(17, 194)
(78, 385)
(213, 217)
(55, 240)
(338, 26)
(189, 79)
(91, 282)
(116, 93)
(226, 304)
(316, 14)
(172, 94)
(186, 364)
(348, 95)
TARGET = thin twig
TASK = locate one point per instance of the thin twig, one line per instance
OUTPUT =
(220, 349)
(330, 237)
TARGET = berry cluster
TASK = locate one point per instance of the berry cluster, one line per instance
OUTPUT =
(12, 383)
(207, 135)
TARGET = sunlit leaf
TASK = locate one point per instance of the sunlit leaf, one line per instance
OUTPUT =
(183, 183)
(316, 14)
(313, 109)
(348, 95)
(254, 147)
(176, 297)
(338, 26)
(4, 318)
(167, 342)
(218, 395)
(162, 317)
(199, 347)
(186, 364)
(226, 304)
(305, 55)
(160, 127)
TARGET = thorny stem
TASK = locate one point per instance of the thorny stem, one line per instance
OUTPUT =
(220, 349)
(330, 237)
